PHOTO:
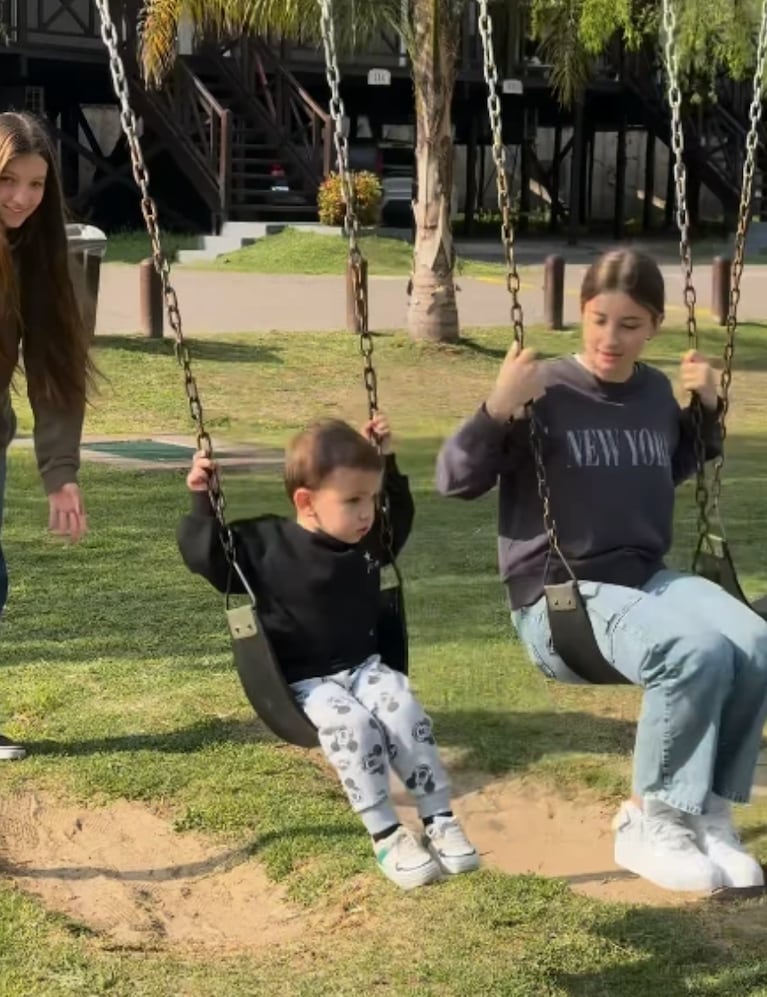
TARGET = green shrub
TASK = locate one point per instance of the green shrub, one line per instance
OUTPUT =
(367, 194)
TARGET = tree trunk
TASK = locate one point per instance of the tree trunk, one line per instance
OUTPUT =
(432, 312)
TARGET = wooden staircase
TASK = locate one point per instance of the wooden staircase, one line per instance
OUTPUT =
(280, 138)
(251, 141)
(715, 135)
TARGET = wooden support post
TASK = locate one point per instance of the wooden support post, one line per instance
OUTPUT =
(470, 206)
(670, 209)
(721, 276)
(523, 223)
(554, 292)
(576, 175)
(150, 300)
(649, 181)
(92, 268)
(555, 169)
(619, 214)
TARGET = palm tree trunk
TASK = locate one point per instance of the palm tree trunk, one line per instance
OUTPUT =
(432, 312)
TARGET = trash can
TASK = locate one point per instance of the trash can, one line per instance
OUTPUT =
(87, 245)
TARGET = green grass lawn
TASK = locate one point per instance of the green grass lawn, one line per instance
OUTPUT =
(134, 246)
(116, 674)
(290, 251)
(294, 251)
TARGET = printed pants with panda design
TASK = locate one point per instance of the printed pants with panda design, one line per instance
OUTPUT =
(368, 720)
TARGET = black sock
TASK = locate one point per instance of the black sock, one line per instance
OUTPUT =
(380, 835)
(442, 813)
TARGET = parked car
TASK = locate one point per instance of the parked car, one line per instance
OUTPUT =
(394, 164)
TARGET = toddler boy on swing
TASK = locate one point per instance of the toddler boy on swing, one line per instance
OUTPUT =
(317, 582)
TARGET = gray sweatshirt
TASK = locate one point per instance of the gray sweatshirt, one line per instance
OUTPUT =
(613, 455)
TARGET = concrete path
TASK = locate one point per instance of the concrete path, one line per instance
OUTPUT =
(215, 301)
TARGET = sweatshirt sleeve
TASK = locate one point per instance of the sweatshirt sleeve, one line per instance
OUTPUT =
(396, 488)
(57, 436)
(683, 461)
(470, 461)
(199, 541)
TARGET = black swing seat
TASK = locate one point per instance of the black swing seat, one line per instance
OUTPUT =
(262, 680)
(714, 561)
(573, 636)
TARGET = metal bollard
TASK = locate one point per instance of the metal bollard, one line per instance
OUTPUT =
(721, 279)
(554, 292)
(150, 300)
(352, 318)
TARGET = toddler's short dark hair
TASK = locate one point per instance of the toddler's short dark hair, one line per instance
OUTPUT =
(322, 448)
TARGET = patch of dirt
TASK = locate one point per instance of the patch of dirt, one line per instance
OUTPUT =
(123, 871)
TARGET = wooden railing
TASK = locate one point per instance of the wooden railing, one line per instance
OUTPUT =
(206, 124)
(715, 138)
(202, 130)
(301, 128)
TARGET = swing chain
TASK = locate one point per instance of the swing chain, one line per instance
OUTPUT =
(351, 231)
(685, 254)
(744, 217)
(149, 211)
(512, 275)
(351, 222)
(680, 170)
(499, 158)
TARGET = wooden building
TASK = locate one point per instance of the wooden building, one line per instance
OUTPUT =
(242, 132)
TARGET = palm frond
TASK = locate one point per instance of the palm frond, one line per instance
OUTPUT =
(355, 21)
(556, 27)
(157, 33)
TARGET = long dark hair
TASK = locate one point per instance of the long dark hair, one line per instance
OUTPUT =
(36, 292)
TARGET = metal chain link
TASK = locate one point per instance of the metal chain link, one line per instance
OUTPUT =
(149, 211)
(513, 282)
(685, 255)
(485, 25)
(351, 222)
(351, 231)
(744, 219)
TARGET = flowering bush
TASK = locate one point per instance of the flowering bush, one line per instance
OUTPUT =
(367, 194)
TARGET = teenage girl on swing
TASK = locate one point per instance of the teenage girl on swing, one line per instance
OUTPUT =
(615, 445)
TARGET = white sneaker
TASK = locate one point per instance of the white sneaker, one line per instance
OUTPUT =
(662, 849)
(718, 838)
(10, 751)
(405, 861)
(450, 846)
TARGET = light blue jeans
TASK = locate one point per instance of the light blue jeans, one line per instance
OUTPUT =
(701, 658)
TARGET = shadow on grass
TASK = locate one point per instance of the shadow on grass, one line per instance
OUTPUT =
(212, 349)
(183, 741)
(675, 951)
(501, 742)
(512, 742)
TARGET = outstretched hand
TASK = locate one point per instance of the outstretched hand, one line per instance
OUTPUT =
(67, 516)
